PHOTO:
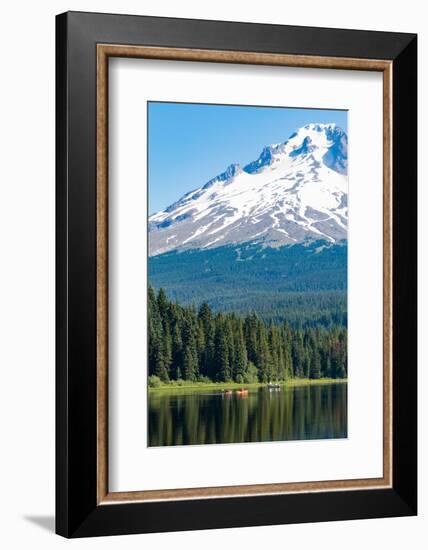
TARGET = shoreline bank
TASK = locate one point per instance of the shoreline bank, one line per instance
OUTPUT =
(293, 382)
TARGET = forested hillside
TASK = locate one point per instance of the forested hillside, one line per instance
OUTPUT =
(198, 344)
(303, 284)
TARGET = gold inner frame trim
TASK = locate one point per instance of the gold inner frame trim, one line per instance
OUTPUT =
(104, 51)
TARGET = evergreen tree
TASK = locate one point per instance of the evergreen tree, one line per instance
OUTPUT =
(221, 347)
(315, 368)
(167, 349)
(264, 358)
(186, 344)
(190, 357)
(160, 368)
(177, 352)
(163, 304)
(298, 355)
(240, 365)
(206, 340)
(250, 333)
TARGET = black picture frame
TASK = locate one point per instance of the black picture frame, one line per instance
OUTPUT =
(77, 511)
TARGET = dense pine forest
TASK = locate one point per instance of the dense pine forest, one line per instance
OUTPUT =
(304, 284)
(186, 343)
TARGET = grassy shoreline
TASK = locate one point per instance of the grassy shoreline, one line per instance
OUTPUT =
(174, 386)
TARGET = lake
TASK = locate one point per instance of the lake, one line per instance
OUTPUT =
(195, 417)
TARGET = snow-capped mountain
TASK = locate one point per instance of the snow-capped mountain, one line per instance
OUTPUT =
(293, 192)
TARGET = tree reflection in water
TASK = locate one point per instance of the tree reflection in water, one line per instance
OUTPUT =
(203, 416)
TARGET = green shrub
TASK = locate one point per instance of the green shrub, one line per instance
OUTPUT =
(154, 381)
(251, 376)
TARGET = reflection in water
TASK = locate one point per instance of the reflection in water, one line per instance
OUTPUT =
(197, 417)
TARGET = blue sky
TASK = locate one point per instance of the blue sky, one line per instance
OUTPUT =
(191, 143)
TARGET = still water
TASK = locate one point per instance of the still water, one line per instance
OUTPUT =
(207, 416)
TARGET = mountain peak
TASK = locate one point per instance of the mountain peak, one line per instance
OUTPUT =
(294, 191)
(231, 171)
(306, 140)
(319, 127)
(304, 149)
(266, 158)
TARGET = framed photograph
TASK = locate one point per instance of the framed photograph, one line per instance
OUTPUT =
(236, 274)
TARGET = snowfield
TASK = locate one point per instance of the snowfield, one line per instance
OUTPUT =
(294, 191)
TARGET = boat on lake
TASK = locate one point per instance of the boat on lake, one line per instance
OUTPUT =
(274, 387)
(227, 392)
(242, 392)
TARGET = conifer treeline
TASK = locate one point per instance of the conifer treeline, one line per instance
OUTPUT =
(199, 345)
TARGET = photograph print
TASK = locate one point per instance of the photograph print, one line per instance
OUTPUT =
(247, 273)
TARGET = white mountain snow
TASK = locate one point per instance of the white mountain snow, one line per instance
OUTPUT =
(293, 192)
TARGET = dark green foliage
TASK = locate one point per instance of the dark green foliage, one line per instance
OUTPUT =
(304, 284)
(193, 345)
(190, 354)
